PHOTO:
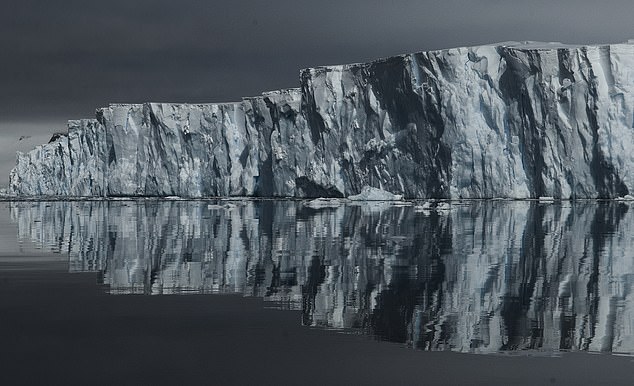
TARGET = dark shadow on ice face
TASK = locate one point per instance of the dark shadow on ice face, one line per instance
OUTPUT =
(481, 277)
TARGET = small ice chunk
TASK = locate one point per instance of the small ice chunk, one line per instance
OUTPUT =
(627, 197)
(546, 199)
(426, 207)
(374, 194)
(429, 206)
(227, 206)
(321, 202)
(420, 209)
(443, 206)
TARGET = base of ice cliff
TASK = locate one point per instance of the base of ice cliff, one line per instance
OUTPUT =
(514, 120)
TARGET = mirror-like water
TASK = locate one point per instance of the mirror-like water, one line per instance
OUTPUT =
(482, 277)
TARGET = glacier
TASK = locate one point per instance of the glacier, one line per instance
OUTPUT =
(512, 120)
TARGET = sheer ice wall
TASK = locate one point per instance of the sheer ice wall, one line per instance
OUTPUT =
(512, 120)
(163, 149)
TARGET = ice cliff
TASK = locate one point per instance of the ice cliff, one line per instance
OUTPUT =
(515, 120)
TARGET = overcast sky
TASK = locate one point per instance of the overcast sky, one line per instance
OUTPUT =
(62, 59)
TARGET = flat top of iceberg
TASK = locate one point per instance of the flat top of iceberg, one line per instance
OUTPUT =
(519, 45)
(529, 44)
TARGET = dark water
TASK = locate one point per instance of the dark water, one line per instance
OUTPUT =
(482, 277)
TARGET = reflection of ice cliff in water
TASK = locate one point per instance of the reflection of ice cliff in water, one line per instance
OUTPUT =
(481, 277)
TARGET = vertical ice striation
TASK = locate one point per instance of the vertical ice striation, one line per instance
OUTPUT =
(164, 149)
(160, 149)
(516, 120)
(70, 164)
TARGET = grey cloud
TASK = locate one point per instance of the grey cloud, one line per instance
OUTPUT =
(63, 59)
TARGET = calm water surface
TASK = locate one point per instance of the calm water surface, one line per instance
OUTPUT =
(482, 277)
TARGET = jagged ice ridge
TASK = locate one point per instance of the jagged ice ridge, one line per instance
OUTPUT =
(517, 120)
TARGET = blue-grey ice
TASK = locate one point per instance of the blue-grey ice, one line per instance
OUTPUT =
(511, 120)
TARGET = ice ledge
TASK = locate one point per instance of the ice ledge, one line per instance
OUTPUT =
(526, 45)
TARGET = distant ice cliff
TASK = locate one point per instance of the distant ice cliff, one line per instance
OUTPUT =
(516, 120)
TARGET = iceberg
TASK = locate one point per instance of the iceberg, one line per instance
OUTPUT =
(508, 120)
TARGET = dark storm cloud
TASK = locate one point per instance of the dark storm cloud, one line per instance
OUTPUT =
(63, 59)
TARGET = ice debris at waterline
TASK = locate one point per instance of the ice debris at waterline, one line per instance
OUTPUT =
(511, 120)
(373, 194)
